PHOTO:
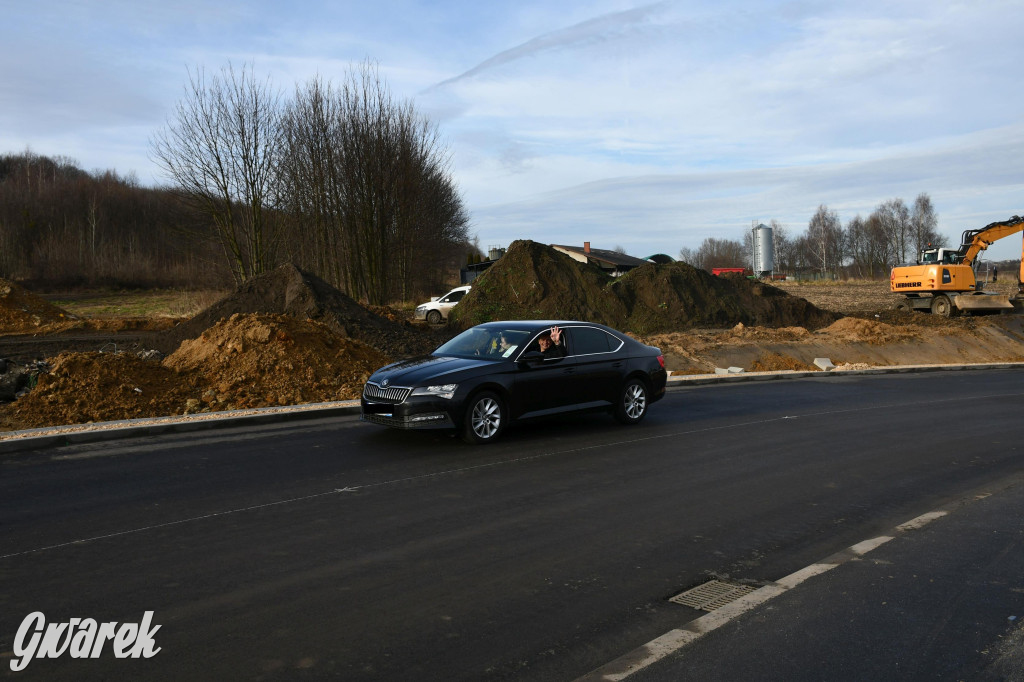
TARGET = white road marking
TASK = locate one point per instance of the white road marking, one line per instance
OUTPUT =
(676, 640)
(794, 579)
(923, 519)
(862, 548)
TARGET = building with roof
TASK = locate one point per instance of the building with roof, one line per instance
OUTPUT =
(612, 262)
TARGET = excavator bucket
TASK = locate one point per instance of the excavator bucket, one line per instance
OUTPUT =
(981, 301)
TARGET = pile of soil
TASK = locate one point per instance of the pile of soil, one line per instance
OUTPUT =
(742, 332)
(533, 281)
(90, 387)
(261, 360)
(776, 362)
(868, 331)
(679, 296)
(288, 290)
(246, 361)
(22, 311)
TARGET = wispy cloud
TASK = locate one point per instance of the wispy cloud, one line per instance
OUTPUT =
(590, 32)
(646, 125)
(977, 176)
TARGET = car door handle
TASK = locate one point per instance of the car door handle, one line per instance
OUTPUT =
(617, 364)
(568, 370)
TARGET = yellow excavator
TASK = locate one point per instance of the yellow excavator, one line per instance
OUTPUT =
(943, 280)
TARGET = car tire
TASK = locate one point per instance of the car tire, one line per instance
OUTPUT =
(485, 418)
(434, 317)
(632, 404)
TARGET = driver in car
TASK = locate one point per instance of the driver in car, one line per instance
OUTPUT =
(551, 343)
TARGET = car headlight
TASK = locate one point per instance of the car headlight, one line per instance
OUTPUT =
(446, 391)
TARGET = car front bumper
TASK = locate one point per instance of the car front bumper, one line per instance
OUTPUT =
(413, 413)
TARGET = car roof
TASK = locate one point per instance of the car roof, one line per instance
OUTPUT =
(532, 325)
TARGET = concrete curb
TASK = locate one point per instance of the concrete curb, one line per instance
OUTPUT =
(33, 439)
(702, 379)
(37, 439)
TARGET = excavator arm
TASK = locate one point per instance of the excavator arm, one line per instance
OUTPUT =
(974, 242)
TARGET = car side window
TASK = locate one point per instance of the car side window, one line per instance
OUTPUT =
(588, 341)
(534, 344)
(454, 297)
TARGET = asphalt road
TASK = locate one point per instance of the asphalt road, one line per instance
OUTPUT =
(331, 548)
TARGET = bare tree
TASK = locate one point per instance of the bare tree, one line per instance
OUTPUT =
(868, 247)
(368, 178)
(782, 245)
(923, 222)
(716, 253)
(220, 150)
(894, 218)
(825, 240)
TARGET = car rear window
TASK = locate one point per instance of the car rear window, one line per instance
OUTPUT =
(588, 340)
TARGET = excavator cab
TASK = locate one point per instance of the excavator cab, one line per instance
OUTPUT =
(940, 255)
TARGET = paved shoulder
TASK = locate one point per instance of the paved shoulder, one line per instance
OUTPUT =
(940, 598)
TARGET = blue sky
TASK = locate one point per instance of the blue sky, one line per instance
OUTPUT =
(643, 125)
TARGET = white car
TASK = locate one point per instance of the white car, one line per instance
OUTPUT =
(438, 308)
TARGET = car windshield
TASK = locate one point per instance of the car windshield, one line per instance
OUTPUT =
(485, 342)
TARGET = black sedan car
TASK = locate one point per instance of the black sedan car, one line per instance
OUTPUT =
(496, 373)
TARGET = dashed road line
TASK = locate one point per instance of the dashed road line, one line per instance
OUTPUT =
(678, 639)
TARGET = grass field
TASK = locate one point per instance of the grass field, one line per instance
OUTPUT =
(854, 296)
(134, 304)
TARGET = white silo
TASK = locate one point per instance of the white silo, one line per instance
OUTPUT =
(764, 252)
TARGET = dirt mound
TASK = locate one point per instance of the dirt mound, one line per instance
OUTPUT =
(262, 360)
(535, 281)
(22, 311)
(868, 331)
(776, 362)
(89, 387)
(744, 333)
(290, 291)
(680, 296)
(246, 361)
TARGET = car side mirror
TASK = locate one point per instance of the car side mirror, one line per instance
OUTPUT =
(533, 357)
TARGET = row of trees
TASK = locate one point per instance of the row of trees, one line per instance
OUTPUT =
(341, 179)
(864, 247)
(61, 226)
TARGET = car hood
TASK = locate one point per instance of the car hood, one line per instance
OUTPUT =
(429, 369)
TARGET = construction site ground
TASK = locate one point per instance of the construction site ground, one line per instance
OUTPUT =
(290, 339)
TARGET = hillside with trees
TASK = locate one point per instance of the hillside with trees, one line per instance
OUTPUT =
(341, 180)
(63, 227)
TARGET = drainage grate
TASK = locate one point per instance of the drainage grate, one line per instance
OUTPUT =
(712, 595)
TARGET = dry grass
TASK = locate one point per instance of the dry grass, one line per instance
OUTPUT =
(862, 296)
(135, 304)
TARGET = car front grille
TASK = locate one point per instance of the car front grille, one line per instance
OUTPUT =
(392, 394)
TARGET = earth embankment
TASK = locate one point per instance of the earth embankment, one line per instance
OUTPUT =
(533, 281)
